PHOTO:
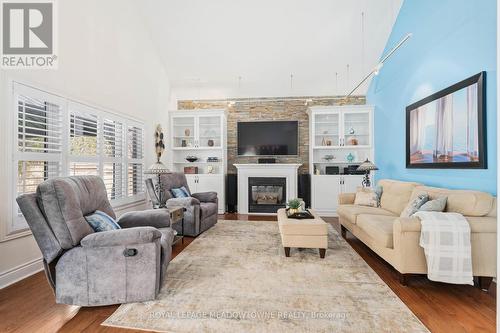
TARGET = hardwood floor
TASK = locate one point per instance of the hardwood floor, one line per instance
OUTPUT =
(28, 306)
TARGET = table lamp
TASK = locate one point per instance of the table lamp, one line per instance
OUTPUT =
(367, 166)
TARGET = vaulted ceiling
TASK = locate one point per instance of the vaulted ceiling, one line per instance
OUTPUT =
(257, 48)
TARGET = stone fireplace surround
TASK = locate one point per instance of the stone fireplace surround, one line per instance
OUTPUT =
(289, 171)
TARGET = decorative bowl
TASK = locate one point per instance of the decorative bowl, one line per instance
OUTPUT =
(191, 158)
(328, 157)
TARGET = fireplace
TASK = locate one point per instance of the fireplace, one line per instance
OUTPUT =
(266, 194)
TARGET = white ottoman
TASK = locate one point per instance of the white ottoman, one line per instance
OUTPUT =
(306, 233)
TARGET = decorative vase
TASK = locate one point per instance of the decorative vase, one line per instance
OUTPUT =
(187, 132)
(349, 157)
(183, 143)
(210, 143)
(352, 141)
(292, 211)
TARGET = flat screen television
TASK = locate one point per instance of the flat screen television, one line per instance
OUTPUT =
(268, 138)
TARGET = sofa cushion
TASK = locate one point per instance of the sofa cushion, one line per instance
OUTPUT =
(378, 227)
(350, 212)
(65, 202)
(396, 194)
(100, 221)
(173, 180)
(465, 202)
(208, 209)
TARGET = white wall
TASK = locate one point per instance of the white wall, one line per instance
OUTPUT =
(106, 58)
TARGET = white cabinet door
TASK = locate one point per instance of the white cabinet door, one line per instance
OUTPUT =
(351, 183)
(209, 132)
(191, 180)
(325, 193)
(356, 128)
(326, 132)
(183, 131)
(212, 183)
(207, 183)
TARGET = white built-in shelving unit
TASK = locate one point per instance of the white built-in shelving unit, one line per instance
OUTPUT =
(200, 133)
(339, 136)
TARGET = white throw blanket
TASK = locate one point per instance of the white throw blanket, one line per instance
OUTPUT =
(445, 238)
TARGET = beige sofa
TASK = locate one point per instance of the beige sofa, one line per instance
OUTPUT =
(396, 239)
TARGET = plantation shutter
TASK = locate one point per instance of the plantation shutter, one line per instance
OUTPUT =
(39, 146)
(39, 126)
(56, 137)
(83, 138)
(135, 141)
(113, 150)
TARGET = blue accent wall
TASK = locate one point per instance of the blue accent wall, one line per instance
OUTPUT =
(452, 40)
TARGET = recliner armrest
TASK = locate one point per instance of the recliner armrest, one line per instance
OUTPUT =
(182, 202)
(346, 198)
(205, 196)
(158, 218)
(129, 236)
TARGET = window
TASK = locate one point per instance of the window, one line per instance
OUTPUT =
(113, 170)
(134, 173)
(60, 137)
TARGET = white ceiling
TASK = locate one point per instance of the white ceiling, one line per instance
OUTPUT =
(207, 45)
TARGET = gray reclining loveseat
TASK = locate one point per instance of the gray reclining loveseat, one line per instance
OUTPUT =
(90, 268)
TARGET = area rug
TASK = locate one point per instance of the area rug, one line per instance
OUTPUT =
(236, 278)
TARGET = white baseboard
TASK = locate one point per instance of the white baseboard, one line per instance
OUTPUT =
(20, 272)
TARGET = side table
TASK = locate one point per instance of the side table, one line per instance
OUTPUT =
(176, 216)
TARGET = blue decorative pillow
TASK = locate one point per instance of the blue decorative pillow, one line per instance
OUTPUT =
(436, 205)
(413, 206)
(180, 192)
(100, 221)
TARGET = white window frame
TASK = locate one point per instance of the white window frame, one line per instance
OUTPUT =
(17, 226)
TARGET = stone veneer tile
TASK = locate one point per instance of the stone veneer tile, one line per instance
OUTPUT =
(267, 109)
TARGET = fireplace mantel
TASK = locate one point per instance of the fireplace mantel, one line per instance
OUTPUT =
(284, 170)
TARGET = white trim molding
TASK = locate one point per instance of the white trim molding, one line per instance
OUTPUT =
(20, 272)
(284, 170)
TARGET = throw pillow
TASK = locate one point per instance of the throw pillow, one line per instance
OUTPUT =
(437, 205)
(100, 221)
(367, 197)
(180, 192)
(414, 205)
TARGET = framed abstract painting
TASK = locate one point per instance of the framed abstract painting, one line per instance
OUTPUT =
(448, 128)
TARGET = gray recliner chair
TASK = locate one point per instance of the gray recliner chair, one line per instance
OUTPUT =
(88, 268)
(201, 208)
